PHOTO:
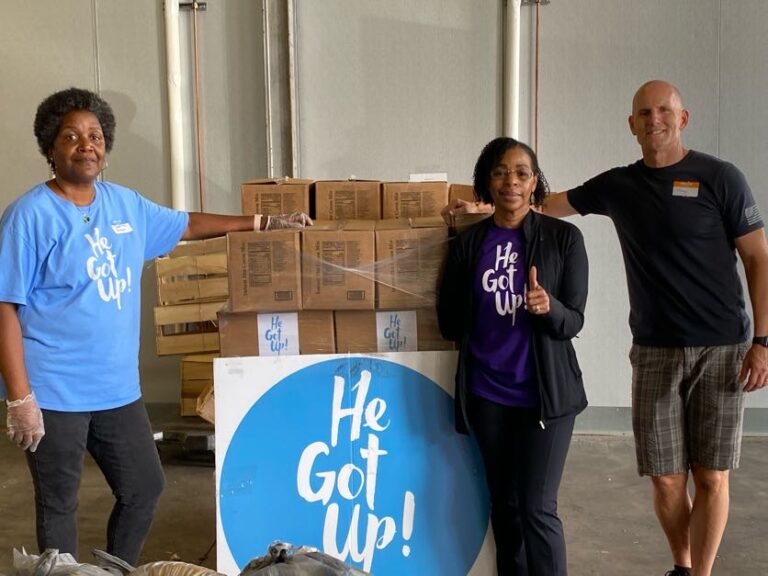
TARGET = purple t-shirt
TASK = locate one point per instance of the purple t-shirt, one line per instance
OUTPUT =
(501, 367)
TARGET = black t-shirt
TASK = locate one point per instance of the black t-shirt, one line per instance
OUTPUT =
(676, 227)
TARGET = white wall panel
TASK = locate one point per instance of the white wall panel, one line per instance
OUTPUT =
(390, 88)
(743, 103)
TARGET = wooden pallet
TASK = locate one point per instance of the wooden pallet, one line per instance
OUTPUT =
(187, 328)
(192, 279)
(196, 378)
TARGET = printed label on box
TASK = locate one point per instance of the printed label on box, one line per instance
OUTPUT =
(278, 334)
(396, 331)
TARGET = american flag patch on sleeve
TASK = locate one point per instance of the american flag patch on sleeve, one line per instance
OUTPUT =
(752, 214)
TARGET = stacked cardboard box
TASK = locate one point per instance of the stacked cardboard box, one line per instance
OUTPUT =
(362, 279)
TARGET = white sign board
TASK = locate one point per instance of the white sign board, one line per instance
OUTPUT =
(355, 455)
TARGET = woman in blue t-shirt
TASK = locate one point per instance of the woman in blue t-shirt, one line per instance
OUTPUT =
(69, 322)
(512, 296)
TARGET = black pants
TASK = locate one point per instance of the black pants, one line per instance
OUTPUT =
(523, 466)
(121, 443)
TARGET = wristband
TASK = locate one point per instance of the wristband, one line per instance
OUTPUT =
(256, 222)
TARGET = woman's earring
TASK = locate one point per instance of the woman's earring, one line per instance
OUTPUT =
(52, 167)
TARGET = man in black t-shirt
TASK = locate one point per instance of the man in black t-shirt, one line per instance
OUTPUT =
(681, 216)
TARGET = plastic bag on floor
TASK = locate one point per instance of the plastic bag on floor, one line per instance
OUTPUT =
(160, 568)
(51, 563)
(170, 568)
(283, 559)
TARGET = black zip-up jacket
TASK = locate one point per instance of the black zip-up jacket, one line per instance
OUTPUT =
(556, 248)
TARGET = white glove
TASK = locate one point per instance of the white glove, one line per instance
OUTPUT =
(292, 220)
(25, 422)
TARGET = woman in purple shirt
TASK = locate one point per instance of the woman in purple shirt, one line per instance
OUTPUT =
(512, 296)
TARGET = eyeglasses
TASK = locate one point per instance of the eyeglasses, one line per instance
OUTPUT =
(522, 174)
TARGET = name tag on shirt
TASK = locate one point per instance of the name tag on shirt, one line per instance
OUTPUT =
(685, 188)
(124, 228)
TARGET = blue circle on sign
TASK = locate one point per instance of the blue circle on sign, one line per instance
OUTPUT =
(396, 492)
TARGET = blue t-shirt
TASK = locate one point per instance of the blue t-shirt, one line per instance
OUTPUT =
(77, 285)
(500, 345)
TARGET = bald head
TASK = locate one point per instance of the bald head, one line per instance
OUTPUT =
(657, 88)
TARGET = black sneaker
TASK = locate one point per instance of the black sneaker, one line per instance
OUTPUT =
(678, 572)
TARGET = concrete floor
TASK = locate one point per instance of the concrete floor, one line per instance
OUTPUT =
(610, 526)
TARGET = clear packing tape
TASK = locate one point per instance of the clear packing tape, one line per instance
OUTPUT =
(401, 256)
(340, 265)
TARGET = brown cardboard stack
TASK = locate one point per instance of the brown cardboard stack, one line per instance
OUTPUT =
(409, 255)
(350, 283)
(265, 279)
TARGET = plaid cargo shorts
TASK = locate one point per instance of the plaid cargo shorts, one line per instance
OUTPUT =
(687, 407)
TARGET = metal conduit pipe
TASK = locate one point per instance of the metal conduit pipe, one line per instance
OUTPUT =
(511, 80)
(175, 120)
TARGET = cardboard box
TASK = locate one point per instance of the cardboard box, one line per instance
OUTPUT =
(200, 247)
(276, 196)
(362, 331)
(348, 199)
(413, 199)
(429, 331)
(196, 377)
(409, 256)
(264, 271)
(240, 335)
(462, 191)
(206, 405)
(337, 265)
(461, 221)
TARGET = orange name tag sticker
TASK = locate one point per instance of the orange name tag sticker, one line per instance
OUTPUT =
(686, 188)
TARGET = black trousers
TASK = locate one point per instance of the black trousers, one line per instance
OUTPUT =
(121, 443)
(523, 466)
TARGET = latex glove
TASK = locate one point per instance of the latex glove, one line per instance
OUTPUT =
(292, 220)
(25, 423)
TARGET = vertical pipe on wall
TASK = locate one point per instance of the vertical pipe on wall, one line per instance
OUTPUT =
(511, 83)
(280, 94)
(266, 27)
(293, 89)
(173, 66)
(198, 110)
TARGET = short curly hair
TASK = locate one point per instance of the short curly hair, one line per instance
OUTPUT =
(490, 157)
(52, 110)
